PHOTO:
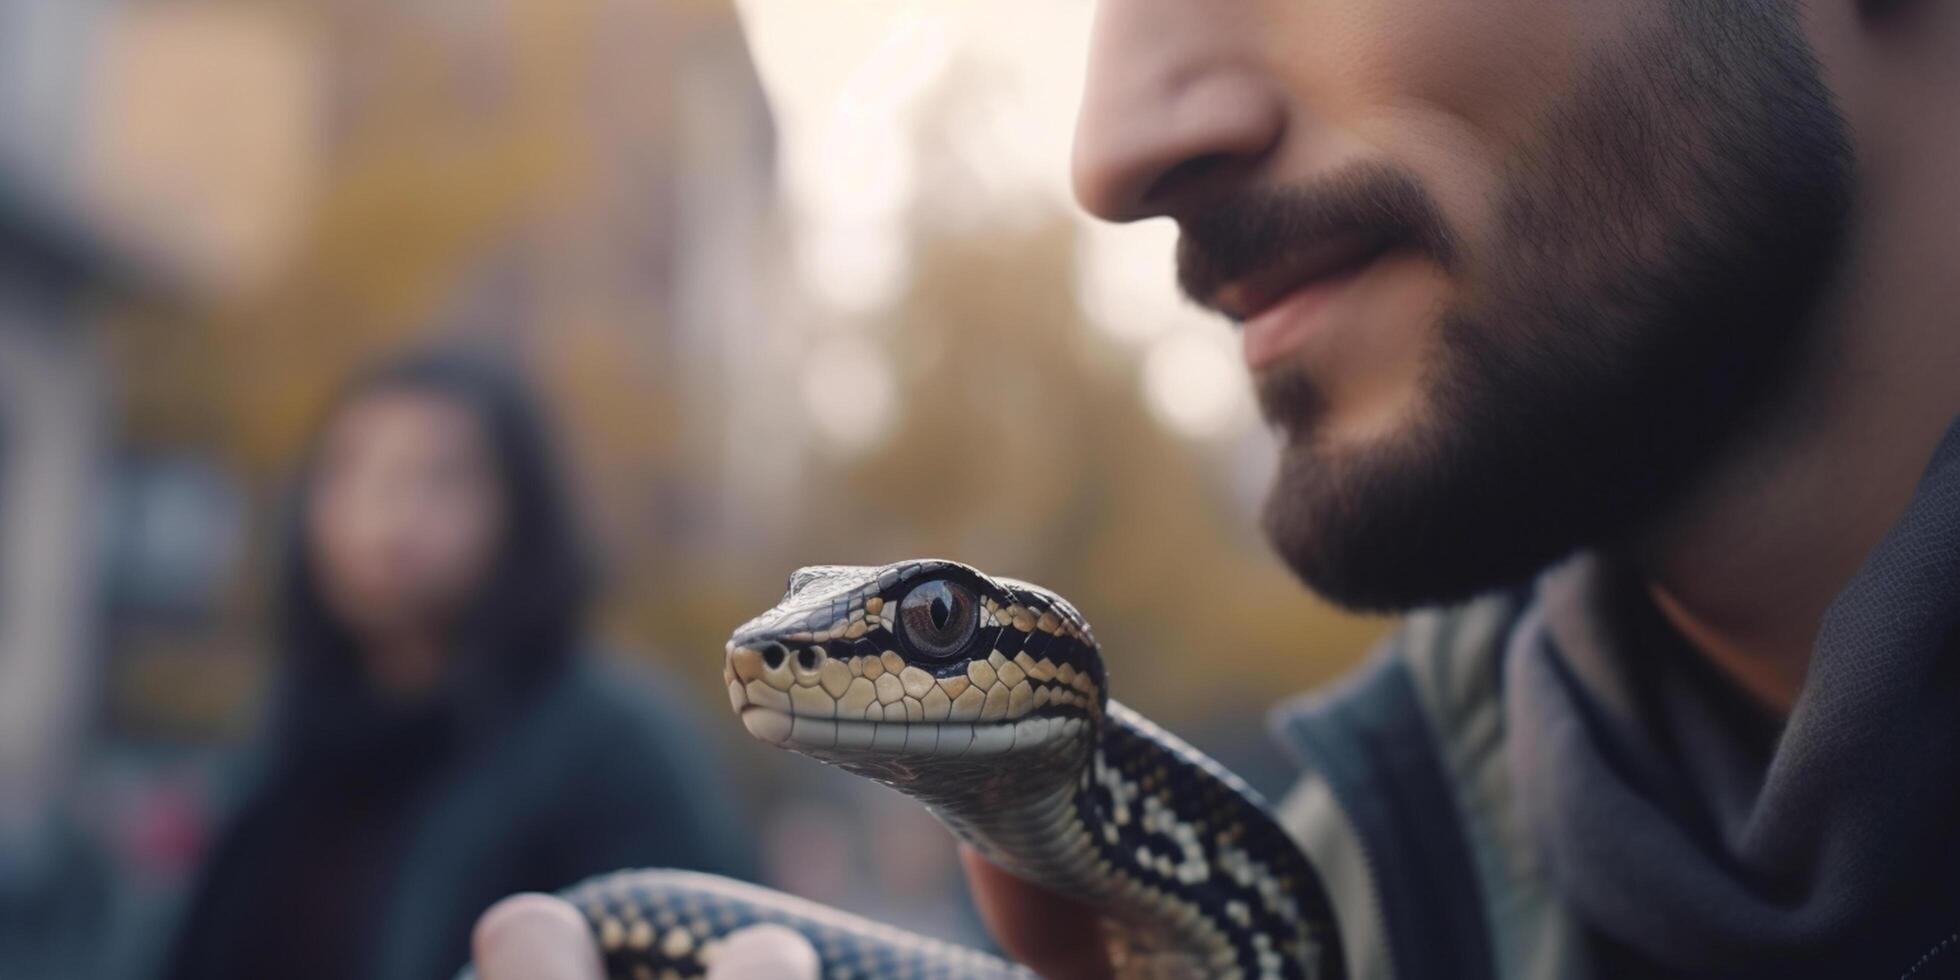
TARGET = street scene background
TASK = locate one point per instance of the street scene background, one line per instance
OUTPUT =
(801, 282)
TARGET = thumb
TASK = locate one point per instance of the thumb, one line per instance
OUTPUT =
(1052, 935)
(767, 952)
(534, 937)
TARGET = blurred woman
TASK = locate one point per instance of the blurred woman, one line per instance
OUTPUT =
(439, 742)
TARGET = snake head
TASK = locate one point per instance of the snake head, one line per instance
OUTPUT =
(877, 668)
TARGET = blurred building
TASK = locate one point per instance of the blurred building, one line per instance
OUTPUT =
(50, 411)
(53, 447)
(95, 215)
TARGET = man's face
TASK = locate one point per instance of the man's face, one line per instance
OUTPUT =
(1508, 271)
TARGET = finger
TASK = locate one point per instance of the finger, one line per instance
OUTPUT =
(1059, 938)
(534, 937)
(767, 952)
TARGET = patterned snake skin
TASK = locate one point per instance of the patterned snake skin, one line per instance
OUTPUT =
(984, 699)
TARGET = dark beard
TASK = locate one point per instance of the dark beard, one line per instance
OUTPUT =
(1660, 248)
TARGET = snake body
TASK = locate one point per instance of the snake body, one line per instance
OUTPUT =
(985, 699)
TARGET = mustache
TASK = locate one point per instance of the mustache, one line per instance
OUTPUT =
(1244, 233)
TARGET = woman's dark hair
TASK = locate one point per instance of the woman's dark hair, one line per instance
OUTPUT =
(525, 620)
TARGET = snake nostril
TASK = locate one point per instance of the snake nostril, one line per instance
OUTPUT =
(807, 658)
(772, 655)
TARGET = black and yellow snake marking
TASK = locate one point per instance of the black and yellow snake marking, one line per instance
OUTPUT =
(985, 699)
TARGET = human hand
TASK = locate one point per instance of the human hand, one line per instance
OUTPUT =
(540, 937)
(1056, 937)
(534, 937)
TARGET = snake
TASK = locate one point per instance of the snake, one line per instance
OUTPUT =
(986, 699)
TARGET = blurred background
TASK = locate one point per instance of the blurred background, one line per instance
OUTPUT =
(799, 282)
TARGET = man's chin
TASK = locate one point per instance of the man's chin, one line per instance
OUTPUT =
(1372, 533)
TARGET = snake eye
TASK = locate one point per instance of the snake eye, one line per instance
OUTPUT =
(937, 618)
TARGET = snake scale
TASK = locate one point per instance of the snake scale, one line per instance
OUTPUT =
(985, 699)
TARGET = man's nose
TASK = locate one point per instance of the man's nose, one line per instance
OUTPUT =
(1175, 107)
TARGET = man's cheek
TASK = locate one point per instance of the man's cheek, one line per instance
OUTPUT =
(1440, 88)
(1490, 65)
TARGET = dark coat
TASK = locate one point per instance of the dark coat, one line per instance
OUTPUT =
(374, 856)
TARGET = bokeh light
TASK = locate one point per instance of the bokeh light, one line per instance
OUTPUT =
(849, 391)
(1195, 384)
(1126, 283)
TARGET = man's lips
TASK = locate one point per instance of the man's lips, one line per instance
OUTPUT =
(1278, 304)
(1247, 297)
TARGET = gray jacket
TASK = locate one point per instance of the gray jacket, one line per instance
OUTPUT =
(1406, 810)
